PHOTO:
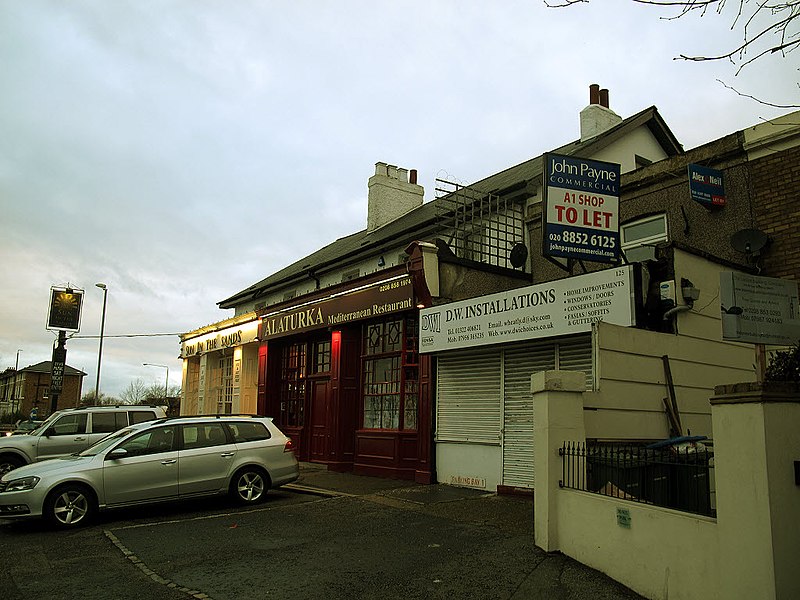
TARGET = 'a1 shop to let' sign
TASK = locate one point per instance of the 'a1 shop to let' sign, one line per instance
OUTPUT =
(582, 208)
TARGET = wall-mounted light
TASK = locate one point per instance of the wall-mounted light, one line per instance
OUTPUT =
(689, 292)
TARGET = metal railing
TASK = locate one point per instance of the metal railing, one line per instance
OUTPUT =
(679, 477)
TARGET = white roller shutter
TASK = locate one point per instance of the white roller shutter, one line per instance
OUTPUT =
(468, 397)
(575, 354)
(484, 396)
(520, 362)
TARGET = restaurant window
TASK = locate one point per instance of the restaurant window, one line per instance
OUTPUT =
(390, 375)
(322, 357)
(225, 387)
(293, 384)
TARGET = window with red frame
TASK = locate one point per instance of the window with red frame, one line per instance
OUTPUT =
(390, 374)
(293, 384)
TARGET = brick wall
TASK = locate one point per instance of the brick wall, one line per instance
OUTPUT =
(37, 385)
(775, 181)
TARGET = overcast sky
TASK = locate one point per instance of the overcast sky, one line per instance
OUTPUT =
(181, 150)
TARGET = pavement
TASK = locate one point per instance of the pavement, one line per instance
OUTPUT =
(330, 535)
(548, 576)
(317, 479)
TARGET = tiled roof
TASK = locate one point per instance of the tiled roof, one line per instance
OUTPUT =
(414, 225)
(46, 367)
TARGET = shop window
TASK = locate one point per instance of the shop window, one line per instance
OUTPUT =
(293, 385)
(390, 375)
(192, 376)
(647, 231)
(322, 357)
(225, 387)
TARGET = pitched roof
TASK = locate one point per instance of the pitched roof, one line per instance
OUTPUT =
(46, 367)
(415, 224)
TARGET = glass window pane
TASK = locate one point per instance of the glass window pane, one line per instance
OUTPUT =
(651, 229)
(70, 424)
(104, 422)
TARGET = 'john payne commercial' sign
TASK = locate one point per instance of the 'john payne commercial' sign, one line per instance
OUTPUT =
(581, 216)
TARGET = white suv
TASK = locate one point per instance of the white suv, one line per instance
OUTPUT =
(70, 431)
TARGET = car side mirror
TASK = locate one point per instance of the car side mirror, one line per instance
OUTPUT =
(117, 453)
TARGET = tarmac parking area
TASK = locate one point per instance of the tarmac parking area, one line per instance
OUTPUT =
(398, 542)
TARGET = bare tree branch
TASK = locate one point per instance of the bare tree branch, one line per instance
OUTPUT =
(776, 18)
(757, 99)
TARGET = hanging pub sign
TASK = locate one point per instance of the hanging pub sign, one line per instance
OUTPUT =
(707, 186)
(65, 309)
(581, 214)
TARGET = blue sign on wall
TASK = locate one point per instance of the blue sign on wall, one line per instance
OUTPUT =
(707, 186)
(581, 215)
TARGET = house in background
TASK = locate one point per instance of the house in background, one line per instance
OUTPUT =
(22, 390)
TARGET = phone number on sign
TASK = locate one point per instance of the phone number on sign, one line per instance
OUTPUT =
(584, 239)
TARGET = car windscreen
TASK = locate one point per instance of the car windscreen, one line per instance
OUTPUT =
(106, 442)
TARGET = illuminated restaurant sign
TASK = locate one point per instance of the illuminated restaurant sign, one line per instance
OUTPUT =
(384, 298)
(230, 337)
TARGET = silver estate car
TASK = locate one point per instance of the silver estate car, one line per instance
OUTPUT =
(166, 459)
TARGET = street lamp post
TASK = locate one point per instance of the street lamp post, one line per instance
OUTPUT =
(166, 380)
(103, 287)
(14, 399)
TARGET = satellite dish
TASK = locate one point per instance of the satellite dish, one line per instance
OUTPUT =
(749, 241)
(518, 256)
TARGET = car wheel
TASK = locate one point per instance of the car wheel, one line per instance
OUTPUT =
(249, 485)
(71, 505)
(9, 463)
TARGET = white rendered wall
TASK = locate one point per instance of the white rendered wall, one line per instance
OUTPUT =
(457, 463)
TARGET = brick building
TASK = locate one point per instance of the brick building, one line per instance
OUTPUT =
(26, 388)
(774, 152)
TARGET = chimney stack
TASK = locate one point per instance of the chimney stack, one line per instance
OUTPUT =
(393, 192)
(597, 117)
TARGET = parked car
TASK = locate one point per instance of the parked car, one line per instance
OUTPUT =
(24, 427)
(167, 459)
(69, 431)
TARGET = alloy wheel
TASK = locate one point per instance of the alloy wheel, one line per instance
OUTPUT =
(250, 486)
(71, 507)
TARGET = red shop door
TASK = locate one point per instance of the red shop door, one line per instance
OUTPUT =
(320, 401)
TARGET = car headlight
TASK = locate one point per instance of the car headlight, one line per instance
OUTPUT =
(23, 483)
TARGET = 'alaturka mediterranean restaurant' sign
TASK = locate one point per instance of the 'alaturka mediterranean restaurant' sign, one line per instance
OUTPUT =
(556, 308)
(383, 298)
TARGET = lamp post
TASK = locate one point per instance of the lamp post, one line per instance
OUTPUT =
(166, 381)
(14, 399)
(103, 287)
